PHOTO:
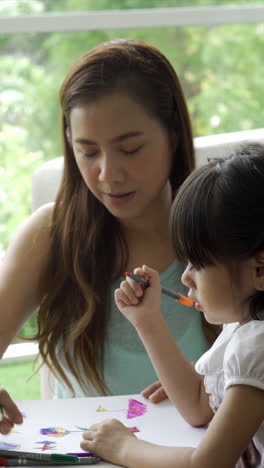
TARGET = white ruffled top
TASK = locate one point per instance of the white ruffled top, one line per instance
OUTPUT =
(236, 358)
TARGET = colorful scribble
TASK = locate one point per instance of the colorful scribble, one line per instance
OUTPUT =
(8, 446)
(46, 445)
(54, 431)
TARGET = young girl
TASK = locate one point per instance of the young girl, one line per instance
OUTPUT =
(217, 226)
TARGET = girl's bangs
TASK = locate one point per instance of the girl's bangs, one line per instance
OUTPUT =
(191, 227)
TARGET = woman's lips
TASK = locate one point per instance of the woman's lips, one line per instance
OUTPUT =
(197, 306)
(120, 198)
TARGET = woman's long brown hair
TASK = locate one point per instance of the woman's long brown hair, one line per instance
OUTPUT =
(73, 315)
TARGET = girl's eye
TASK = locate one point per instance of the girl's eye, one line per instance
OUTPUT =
(191, 267)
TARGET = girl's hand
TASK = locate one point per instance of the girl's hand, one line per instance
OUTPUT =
(109, 439)
(155, 392)
(10, 412)
(138, 304)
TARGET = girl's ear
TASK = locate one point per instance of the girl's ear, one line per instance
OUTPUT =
(259, 271)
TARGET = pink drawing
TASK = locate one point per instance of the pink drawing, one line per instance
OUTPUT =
(135, 409)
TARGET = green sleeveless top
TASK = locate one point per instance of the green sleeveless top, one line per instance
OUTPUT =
(127, 368)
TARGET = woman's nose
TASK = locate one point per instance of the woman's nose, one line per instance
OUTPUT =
(110, 169)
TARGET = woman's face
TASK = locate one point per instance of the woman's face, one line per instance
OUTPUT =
(124, 155)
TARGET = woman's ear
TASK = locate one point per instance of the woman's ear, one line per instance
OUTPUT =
(259, 271)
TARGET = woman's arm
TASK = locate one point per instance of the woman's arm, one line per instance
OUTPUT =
(21, 272)
(228, 435)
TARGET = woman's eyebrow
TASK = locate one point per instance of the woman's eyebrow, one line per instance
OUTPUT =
(118, 138)
(124, 136)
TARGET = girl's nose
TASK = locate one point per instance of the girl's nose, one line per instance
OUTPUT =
(187, 278)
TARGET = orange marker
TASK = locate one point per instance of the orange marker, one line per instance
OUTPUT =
(145, 283)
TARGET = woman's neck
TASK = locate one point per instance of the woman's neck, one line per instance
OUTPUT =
(154, 221)
(148, 239)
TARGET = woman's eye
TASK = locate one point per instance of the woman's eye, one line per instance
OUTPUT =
(133, 150)
(89, 155)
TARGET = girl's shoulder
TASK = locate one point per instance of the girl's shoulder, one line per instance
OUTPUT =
(244, 355)
(238, 349)
(211, 362)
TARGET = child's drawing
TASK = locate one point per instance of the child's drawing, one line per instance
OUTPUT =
(8, 446)
(54, 431)
(46, 445)
(135, 409)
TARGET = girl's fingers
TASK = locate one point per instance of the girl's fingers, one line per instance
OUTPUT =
(130, 288)
(121, 299)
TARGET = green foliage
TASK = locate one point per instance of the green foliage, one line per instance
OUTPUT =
(19, 381)
(16, 167)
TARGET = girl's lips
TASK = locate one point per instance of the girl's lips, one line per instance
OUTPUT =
(197, 306)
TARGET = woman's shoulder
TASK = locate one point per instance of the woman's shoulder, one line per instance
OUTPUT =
(39, 221)
(33, 236)
(43, 214)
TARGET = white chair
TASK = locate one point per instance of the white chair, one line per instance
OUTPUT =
(47, 177)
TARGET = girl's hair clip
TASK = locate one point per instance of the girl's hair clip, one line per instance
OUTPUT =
(214, 159)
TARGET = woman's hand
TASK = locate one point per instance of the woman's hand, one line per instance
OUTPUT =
(109, 439)
(138, 304)
(10, 412)
(155, 392)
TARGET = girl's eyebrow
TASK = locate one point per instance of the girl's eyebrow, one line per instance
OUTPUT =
(123, 136)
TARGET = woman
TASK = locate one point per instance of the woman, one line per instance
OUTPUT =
(127, 147)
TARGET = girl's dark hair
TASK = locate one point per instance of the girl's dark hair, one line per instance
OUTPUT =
(83, 258)
(218, 213)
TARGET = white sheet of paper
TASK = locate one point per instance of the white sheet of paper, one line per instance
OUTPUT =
(161, 424)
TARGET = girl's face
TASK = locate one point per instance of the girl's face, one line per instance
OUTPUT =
(124, 155)
(219, 294)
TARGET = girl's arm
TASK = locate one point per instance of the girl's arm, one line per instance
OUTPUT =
(183, 385)
(228, 435)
